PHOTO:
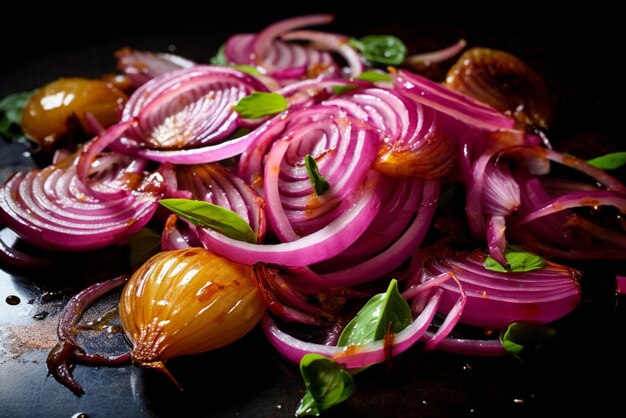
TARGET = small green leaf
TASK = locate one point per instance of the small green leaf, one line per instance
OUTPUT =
(519, 336)
(610, 161)
(215, 217)
(374, 76)
(220, 57)
(143, 244)
(518, 259)
(327, 384)
(319, 183)
(247, 69)
(381, 49)
(11, 108)
(384, 312)
(343, 88)
(259, 104)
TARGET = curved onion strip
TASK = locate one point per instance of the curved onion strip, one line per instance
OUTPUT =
(591, 198)
(318, 246)
(428, 58)
(352, 356)
(67, 351)
(468, 347)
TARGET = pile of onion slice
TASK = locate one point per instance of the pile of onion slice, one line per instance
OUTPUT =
(388, 150)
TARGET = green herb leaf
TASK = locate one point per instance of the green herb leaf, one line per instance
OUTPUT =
(247, 69)
(211, 216)
(383, 313)
(381, 49)
(11, 108)
(143, 244)
(220, 57)
(610, 161)
(319, 183)
(518, 259)
(374, 76)
(519, 336)
(259, 104)
(327, 384)
(341, 89)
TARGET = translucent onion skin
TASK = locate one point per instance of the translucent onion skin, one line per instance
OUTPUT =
(503, 81)
(186, 302)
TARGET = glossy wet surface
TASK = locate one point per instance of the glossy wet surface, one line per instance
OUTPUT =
(583, 372)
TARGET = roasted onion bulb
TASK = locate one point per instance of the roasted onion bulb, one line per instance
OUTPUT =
(186, 302)
(61, 105)
(503, 81)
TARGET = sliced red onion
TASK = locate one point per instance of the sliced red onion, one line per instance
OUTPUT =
(52, 209)
(375, 265)
(184, 116)
(215, 184)
(143, 66)
(562, 234)
(457, 105)
(468, 347)
(263, 41)
(67, 351)
(331, 42)
(419, 141)
(318, 246)
(497, 299)
(354, 356)
(344, 150)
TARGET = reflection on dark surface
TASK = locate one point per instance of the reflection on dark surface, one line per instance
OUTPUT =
(581, 373)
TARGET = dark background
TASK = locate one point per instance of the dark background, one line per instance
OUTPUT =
(575, 50)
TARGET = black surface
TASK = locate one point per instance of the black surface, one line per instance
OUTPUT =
(582, 373)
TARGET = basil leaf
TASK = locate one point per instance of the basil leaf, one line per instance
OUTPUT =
(519, 336)
(11, 108)
(381, 49)
(518, 259)
(211, 216)
(259, 104)
(341, 89)
(610, 161)
(247, 69)
(220, 57)
(383, 313)
(319, 183)
(374, 76)
(327, 384)
(143, 244)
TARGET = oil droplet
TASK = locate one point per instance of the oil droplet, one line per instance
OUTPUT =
(279, 406)
(13, 300)
(41, 315)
